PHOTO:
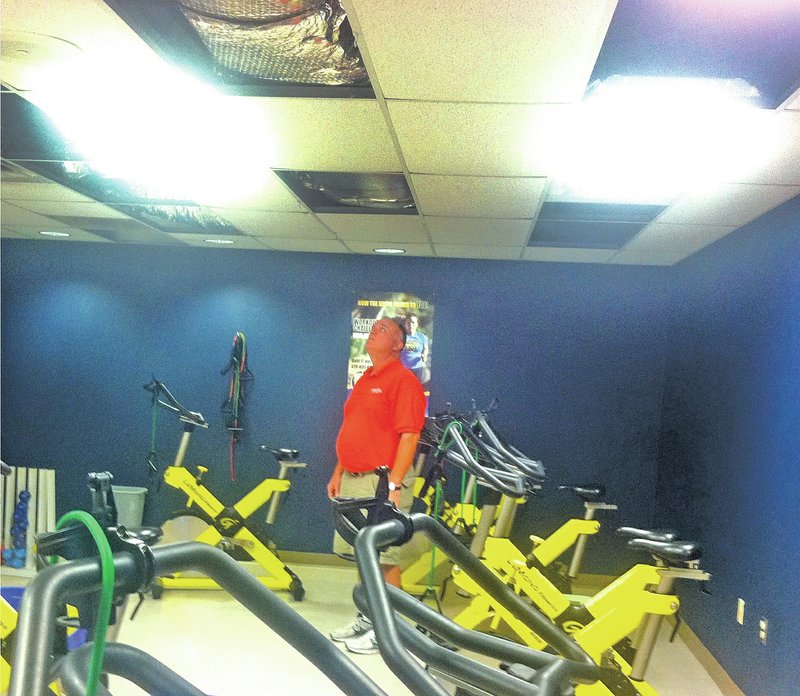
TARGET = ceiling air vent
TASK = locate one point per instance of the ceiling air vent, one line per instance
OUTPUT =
(345, 192)
(590, 225)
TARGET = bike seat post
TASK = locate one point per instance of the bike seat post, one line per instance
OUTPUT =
(274, 503)
(180, 455)
(648, 632)
(580, 544)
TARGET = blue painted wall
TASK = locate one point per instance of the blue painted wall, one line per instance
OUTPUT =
(730, 444)
(575, 353)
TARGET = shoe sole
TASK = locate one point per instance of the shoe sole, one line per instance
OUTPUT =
(345, 639)
(367, 651)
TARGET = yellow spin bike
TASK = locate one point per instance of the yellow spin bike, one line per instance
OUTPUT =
(210, 521)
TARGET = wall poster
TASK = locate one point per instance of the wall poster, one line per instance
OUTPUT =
(417, 316)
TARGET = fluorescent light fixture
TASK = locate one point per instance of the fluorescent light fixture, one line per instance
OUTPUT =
(51, 233)
(651, 139)
(389, 250)
(160, 129)
(219, 241)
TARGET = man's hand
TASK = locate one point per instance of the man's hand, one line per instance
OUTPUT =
(394, 497)
(335, 483)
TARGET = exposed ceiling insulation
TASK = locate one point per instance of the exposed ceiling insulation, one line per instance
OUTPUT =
(470, 130)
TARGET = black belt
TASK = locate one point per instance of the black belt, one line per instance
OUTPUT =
(359, 474)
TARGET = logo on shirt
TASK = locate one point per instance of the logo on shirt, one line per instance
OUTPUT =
(377, 390)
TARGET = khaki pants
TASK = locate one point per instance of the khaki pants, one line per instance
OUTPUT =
(364, 487)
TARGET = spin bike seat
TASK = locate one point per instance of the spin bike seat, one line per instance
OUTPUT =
(281, 454)
(588, 492)
(649, 534)
(670, 552)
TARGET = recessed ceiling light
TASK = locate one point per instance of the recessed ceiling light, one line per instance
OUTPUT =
(389, 250)
(219, 241)
(49, 233)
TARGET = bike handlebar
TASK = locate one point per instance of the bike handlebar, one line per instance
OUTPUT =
(157, 389)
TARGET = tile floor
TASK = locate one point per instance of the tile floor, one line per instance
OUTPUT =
(217, 645)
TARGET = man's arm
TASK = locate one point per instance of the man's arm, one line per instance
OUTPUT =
(403, 459)
(336, 481)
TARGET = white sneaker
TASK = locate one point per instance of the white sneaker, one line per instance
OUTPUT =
(363, 645)
(357, 627)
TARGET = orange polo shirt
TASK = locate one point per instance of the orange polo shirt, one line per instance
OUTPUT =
(383, 405)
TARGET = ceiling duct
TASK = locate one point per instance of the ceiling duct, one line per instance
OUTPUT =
(291, 41)
(348, 192)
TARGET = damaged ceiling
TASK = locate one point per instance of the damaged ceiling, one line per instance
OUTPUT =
(487, 130)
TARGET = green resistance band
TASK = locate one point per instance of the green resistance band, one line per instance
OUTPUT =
(106, 595)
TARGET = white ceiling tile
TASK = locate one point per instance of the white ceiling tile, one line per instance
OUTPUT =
(509, 140)
(727, 204)
(376, 228)
(686, 237)
(461, 251)
(465, 231)
(102, 37)
(71, 209)
(476, 196)
(14, 216)
(647, 258)
(359, 247)
(332, 135)
(272, 194)
(275, 224)
(793, 102)
(327, 246)
(75, 235)
(32, 191)
(779, 148)
(239, 241)
(567, 255)
(485, 50)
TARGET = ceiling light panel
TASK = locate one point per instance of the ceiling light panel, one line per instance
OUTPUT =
(472, 231)
(658, 237)
(568, 255)
(734, 39)
(481, 139)
(535, 51)
(275, 224)
(728, 204)
(75, 235)
(332, 135)
(199, 240)
(411, 249)
(376, 228)
(459, 251)
(475, 196)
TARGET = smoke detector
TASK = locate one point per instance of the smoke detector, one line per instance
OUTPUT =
(29, 58)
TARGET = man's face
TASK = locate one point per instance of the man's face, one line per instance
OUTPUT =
(385, 338)
(411, 325)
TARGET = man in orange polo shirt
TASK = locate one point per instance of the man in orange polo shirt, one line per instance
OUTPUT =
(383, 418)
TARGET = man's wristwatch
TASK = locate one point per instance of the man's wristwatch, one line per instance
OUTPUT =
(395, 486)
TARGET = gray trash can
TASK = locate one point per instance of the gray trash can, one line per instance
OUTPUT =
(130, 504)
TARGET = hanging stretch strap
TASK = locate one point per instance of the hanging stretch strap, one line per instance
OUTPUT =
(237, 366)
